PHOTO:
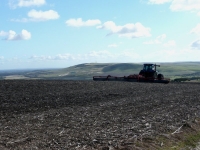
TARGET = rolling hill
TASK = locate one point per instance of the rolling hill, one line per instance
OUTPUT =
(88, 70)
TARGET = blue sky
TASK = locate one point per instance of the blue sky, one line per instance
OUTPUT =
(55, 34)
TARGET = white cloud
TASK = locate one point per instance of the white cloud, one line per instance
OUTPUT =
(3, 33)
(196, 44)
(159, 1)
(130, 55)
(43, 15)
(161, 37)
(170, 43)
(57, 57)
(79, 22)
(196, 30)
(172, 55)
(98, 54)
(185, 5)
(125, 55)
(90, 56)
(180, 5)
(20, 20)
(34, 15)
(161, 40)
(35, 57)
(128, 30)
(27, 3)
(158, 40)
(13, 36)
(63, 57)
(1, 57)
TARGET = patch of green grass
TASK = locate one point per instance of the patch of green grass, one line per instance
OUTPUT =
(186, 142)
(192, 140)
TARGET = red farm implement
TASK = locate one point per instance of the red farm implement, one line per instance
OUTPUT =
(147, 74)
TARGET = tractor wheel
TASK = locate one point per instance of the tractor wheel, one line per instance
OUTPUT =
(160, 76)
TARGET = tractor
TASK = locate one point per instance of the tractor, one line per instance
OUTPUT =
(147, 74)
(149, 71)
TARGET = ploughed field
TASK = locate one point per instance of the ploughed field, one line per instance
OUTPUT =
(93, 115)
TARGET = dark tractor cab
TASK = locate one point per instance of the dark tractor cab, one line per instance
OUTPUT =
(149, 71)
(149, 68)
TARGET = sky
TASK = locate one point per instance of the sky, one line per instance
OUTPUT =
(59, 34)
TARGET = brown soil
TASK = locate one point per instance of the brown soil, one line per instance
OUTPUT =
(95, 115)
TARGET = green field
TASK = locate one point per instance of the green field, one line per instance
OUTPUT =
(188, 70)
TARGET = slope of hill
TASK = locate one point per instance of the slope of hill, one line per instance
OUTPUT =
(88, 70)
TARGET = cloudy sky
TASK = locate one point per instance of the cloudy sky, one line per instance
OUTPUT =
(58, 34)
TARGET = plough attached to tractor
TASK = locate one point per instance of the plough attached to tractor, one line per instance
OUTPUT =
(147, 74)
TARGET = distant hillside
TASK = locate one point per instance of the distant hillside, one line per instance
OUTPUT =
(88, 70)
(122, 68)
